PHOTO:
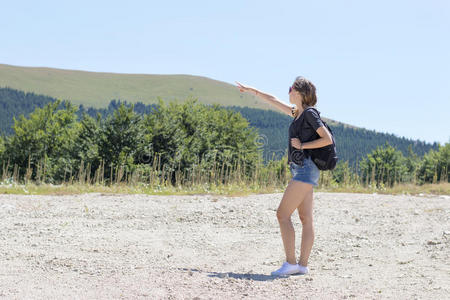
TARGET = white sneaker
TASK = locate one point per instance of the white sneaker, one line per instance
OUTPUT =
(288, 269)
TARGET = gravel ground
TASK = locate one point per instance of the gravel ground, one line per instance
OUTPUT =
(212, 247)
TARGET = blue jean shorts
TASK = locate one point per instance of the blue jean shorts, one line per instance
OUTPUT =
(308, 172)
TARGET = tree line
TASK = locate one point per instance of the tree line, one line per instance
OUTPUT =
(53, 145)
(354, 143)
(386, 166)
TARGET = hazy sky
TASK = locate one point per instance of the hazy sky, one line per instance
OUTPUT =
(382, 65)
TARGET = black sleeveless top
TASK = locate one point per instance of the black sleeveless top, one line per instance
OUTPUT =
(304, 128)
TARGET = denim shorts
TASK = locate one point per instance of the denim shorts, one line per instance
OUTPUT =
(308, 172)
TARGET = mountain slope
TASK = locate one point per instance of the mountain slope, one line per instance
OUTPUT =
(96, 89)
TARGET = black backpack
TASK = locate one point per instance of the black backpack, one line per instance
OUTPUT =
(326, 157)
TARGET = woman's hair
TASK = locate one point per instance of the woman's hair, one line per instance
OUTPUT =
(307, 90)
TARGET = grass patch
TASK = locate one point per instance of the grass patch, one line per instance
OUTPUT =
(233, 190)
(399, 189)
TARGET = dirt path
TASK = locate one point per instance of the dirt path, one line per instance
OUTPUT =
(203, 246)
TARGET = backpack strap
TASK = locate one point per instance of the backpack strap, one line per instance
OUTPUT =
(308, 151)
(324, 123)
(316, 112)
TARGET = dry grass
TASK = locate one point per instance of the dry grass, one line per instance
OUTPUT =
(399, 189)
(228, 190)
(233, 181)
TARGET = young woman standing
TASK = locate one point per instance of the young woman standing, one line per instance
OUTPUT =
(299, 192)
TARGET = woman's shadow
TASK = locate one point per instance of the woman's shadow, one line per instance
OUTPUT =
(247, 276)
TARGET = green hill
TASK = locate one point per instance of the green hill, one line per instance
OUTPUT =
(31, 87)
(94, 89)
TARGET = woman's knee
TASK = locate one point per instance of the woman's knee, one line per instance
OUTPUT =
(306, 219)
(282, 216)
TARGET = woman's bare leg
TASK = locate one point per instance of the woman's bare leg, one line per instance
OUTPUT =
(295, 193)
(305, 211)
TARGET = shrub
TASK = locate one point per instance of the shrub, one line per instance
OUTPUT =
(44, 141)
(384, 166)
(435, 166)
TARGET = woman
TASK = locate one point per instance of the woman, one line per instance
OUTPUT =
(299, 192)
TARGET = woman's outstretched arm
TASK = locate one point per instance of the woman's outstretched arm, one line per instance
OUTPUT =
(274, 101)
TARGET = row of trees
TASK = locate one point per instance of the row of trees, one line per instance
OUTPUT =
(54, 145)
(387, 166)
(51, 145)
(354, 143)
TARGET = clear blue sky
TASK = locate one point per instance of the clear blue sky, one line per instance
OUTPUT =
(382, 65)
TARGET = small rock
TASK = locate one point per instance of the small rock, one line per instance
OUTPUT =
(432, 243)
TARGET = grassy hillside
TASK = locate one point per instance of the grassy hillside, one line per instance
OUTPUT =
(96, 89)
